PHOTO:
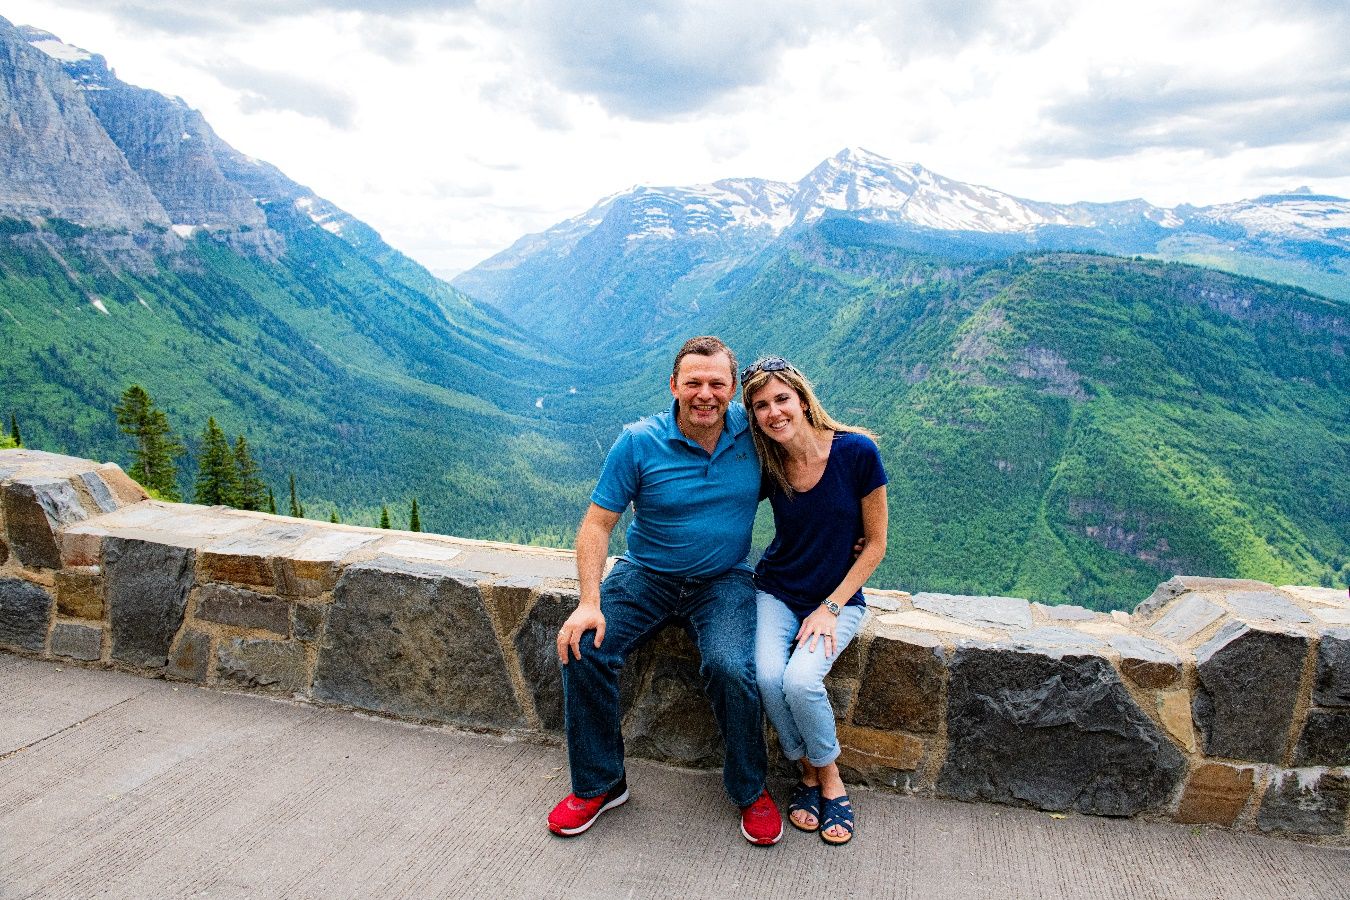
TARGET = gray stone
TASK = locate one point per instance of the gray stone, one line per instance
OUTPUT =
(1247, 682)
(1189, 617)
(902, 687)
(243, 608)
(1325, 740)
(414, 640)
(145, 587)
(672, 720)
(1054, 733)
(308, 622)
(1271, 606)
(1066, 612)
(1002, 612)
(1181, 584)
(1147, 663)
(280, 665)
(1331, 687)
(83, 642)
(1305, 802)
(34, 509)
(25, 610)
(103, 497)
(191, 656)
(1055, 641)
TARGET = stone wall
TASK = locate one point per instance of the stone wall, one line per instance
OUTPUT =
(1216, 702)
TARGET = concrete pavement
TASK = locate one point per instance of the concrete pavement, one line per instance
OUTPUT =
(113, 785)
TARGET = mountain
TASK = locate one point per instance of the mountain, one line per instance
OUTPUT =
(137, 246)
(666, 251)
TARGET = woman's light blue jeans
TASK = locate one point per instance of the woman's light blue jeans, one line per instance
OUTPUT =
(793, 687)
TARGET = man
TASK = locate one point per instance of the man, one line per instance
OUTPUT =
(693, 480)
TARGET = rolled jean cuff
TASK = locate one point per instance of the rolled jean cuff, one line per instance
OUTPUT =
(827, 759)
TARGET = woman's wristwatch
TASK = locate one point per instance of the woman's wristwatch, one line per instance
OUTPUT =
(830, 605)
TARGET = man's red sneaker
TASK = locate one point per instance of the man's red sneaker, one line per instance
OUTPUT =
(575, 814)
(760, 822)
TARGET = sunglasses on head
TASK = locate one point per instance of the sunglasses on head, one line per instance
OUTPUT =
(767, 364)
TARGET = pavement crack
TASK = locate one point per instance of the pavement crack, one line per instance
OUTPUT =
(58, 733)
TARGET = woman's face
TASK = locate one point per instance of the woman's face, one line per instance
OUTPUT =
(777, 410)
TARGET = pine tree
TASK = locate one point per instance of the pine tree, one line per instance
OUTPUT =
(14, 431)
(271, 502)
(251, 487)
(297, 511)
(217, 476)
(156, 444)
(333, 517)
(414, 520)
(384, 516)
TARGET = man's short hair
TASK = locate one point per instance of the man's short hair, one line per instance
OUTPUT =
(704, 345)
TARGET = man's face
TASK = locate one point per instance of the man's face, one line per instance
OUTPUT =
(704, 386)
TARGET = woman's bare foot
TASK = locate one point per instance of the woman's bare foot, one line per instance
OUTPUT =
(832, 786)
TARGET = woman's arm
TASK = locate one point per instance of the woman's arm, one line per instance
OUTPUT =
(874, 516)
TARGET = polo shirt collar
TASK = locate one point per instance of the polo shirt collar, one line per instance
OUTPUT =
(734, 423)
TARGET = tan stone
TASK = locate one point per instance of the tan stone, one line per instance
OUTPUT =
(1215, 795)
(123, 487)
(304, 577)
(79, 593)
(902, 687)
(508, 602)
(924, 621)
(1174, 710)
(1149, 674)
(1121, 617)
(869, 748)
(236, 569)
(81, 548)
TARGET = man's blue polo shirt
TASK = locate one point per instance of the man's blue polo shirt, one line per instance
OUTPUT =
(692, 512)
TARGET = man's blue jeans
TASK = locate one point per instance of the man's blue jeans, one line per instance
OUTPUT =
(637, 603)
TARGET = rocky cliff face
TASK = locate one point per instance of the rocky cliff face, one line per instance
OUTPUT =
(56, 159)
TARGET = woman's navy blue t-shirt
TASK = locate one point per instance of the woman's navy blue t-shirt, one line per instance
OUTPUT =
(815, 530)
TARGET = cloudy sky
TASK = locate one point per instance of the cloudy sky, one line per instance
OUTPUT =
(456, 126)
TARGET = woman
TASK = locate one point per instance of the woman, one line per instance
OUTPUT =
(828, 488)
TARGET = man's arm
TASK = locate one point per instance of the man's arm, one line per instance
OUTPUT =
(592, 550)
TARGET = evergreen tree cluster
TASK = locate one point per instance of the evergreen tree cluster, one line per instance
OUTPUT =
(156, 444)
(227, 475)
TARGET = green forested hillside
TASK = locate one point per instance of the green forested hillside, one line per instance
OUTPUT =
(332, 366)
(1075, 426)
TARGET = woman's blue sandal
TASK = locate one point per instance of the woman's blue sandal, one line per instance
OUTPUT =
(806, 798)
(838, 811)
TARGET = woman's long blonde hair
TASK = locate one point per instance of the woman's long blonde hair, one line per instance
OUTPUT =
(772, 456)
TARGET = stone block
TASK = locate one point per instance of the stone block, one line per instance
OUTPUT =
(1055, 733)
(241, 608)
(1215, 795)
(849, 663)
(279, 665)
(867, 749)
(191, 656)
(1331, 685)
(1055, 641)
(1268, 606)
(82, 546)
(1064, 612)
(4, 546)
(920, 621)
(1181, 584)
(98, 492)
(1246, 689)
(414, 640)
(1174, 711)
(1186, 619)
(1325, 740)
(35, 509)
(308, 622)
(77, 641)
(246, 557)
(145, 586)
(1305, 801)
(79, 593)
(25, 611)
(1001, 612)
(902, 687)
(123, 488)
(1146, 663)
(671, 720)
(841, 692)
(311, 568)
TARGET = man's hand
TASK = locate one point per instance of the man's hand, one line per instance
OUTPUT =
(858, 547)
(820, 624)
(583, 619)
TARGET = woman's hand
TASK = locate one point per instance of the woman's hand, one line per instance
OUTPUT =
(820, 624)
